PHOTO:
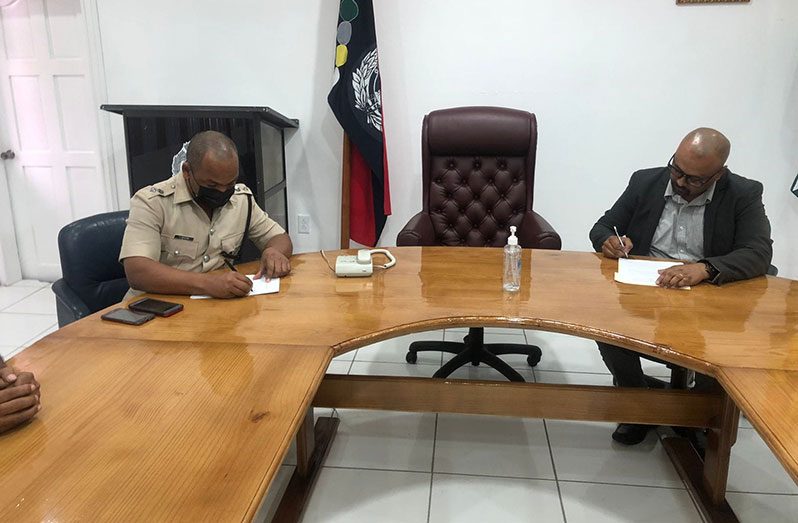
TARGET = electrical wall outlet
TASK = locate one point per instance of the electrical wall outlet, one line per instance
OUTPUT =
(303, 223)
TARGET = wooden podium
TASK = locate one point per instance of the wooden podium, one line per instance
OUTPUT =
(155, 133)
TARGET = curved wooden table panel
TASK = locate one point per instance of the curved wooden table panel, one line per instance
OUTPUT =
(134, 430)
(118, 399)
(569, 292)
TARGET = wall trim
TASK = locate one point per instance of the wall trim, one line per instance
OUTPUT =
(91, 16)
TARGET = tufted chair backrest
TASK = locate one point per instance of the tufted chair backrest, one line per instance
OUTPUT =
(89, 250)
(478, 166)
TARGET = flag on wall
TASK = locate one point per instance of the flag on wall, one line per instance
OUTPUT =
(356, 101)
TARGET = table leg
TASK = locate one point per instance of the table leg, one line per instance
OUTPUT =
(707, 479)
(312, 445)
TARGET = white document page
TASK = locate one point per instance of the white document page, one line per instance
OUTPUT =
(642, 272)
(260, 286)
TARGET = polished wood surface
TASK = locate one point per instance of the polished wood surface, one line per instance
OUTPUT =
(346, 187)
(769, 399)
(147, 431)
(191, 415)
(691, 469)
(430, 288)
(521, 400)
(313, 444)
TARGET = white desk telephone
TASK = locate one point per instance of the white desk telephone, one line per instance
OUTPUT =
(354, 266)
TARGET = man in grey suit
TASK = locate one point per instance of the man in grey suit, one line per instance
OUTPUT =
(694, 210)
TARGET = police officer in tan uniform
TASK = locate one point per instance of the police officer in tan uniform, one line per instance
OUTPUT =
(184, 227)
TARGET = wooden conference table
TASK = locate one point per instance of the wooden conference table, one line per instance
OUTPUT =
(190, 417)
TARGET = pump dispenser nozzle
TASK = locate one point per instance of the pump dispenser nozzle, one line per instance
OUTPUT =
(513, 239)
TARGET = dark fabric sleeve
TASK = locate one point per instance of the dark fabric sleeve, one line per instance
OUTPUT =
(753, 248)
(619, 215)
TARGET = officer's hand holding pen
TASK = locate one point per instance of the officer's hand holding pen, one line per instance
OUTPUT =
(226, 284)
(229, 265)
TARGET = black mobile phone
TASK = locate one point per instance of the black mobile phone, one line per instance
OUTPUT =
(157, 307)
(128, 316)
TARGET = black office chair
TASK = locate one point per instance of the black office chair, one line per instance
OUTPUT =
(478, 171)
(92, 278)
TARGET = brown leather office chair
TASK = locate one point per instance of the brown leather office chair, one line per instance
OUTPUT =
(478, 169)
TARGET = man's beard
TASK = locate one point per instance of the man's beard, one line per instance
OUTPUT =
(683, 192)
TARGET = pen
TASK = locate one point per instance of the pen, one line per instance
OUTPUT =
(230, 265)
(623, 245)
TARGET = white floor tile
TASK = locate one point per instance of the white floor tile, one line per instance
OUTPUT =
(374, 368)
(31, 283)
(339, 367)
(466, 499)
(492, 446)
(368, 496)
(40, 302)
(271, 501)
(653, 368)
(347, 356)
(594, 503)
(42, 334)
(567, 353)
(383, 440)
(754, 468)
(8, 351)
(12, 352)
(20, 329)
(585, 451)
(764, 508)
(395, 349)
(573, 378)
(11, 295)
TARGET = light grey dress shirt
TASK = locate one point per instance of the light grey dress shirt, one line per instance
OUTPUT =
(680, 232)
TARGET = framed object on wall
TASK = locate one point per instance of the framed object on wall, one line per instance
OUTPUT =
(712, 1)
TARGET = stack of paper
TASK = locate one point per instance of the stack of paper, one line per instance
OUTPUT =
(259, 286)
(642, 272)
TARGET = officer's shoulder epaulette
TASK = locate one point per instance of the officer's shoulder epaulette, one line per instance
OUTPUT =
(164, 188)
(242, 189)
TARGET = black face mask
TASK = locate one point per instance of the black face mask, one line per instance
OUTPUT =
(211, 198)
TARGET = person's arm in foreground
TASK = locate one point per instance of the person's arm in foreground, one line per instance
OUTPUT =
(19, 397)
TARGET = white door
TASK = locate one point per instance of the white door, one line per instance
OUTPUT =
(50, 121)
(9, 256)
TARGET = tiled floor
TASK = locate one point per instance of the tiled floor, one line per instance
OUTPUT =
(406, 467)
(27, 313)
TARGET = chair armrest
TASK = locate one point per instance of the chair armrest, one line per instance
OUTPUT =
(68, 305)
(417, 232)
(537, 233)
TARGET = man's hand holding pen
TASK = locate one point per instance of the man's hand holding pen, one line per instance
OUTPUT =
(617, 247)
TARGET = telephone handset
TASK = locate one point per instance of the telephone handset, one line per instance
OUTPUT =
(353, 266)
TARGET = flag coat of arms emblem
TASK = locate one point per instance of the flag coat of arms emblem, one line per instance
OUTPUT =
(356, 101)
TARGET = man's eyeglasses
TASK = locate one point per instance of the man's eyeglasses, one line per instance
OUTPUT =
(692, 181)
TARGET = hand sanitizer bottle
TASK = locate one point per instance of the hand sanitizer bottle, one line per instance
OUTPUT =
(512, 263)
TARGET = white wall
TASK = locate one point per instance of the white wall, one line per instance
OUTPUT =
(615, 85)
(247, 52)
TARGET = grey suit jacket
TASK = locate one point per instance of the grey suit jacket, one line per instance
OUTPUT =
(736, 229)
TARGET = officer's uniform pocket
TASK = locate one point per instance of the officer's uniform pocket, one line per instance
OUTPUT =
(231, 244)
(178, 252)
